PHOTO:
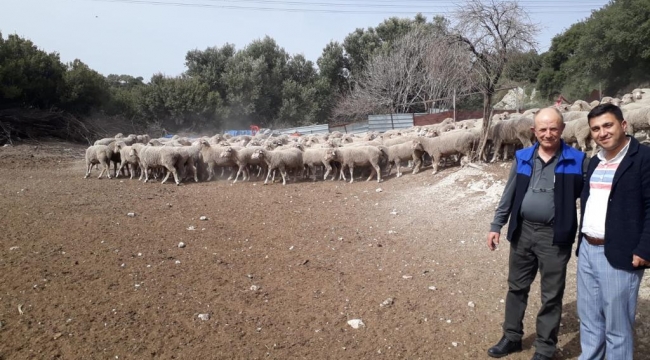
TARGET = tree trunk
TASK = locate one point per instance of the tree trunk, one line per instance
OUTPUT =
(487, 122)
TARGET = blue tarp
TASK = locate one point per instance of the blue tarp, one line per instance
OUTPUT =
(238, 132)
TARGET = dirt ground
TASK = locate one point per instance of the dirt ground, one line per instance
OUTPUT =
(278, 270)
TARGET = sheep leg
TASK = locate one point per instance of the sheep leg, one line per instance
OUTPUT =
(210, 171)
(435, 160)
(399, 168)
(193, 167)
(268, 174)
(328, 169)
(89, 166)
(239, 171)
(283, 172)
(106, 166)
(351, 173)
(166, 176)
(342, 173)
(497, 148)
(417, 162)
(390, 168)
(119, 170)
(378, 172)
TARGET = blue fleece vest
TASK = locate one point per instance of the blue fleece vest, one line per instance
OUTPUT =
(568, 187)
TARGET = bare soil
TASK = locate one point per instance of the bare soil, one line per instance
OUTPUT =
(278, 269)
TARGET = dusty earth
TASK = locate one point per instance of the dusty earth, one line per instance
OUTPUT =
(278, 270)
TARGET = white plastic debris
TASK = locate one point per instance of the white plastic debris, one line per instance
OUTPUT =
(471, 304)
(387, 302)
(130, 214)
(379, 190)
(254, 287)
(181, 244)
(191, 227)
(203, 218)
(356, 323)
(454, 344)
(394, 212)
(407, 277)
(432, 287)
(204, 317)
(177, 262)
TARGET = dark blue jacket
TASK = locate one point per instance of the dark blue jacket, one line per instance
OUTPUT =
(568, 186)
(627, 225)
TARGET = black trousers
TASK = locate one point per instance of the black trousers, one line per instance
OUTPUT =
(532, 249)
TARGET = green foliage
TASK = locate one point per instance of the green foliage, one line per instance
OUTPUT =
(610, 48)
(523, 67)
(85, 89)
(28, 76)
(178, 102)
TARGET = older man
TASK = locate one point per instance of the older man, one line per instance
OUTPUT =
(540, 197)
(614, 248)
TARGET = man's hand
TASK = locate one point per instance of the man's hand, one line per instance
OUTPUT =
(493, 240)
(638, 261)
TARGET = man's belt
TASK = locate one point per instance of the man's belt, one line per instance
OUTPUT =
(594, 241)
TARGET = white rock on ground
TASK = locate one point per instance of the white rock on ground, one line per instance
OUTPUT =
(204, 317)
(181, 244)
(356, 323)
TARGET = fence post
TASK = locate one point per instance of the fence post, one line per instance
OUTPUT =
(454, 101)
(392, 126)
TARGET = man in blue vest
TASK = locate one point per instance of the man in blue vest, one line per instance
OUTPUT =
(614, 246)
(540, 197)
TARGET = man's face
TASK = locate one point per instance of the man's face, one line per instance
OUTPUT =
(548, 129)
(607, 131)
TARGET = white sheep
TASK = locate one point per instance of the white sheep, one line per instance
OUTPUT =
(454, 143)
(243, 157)
(410, 150)
(280, 160)
(577, 132)
(315, 157)
(211, 157)
(511, 132)
(637, 119)
(580, 105)
(99, 154)
(349, 157)
(157, 156)
(127, 161)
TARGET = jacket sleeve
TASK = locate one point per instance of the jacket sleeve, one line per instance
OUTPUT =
(643, 248)
(505, 204)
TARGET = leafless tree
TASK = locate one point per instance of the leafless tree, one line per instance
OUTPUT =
(492, 31)
(422, 66)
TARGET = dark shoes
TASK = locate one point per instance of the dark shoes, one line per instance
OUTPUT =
(505, 347)
(539, 356)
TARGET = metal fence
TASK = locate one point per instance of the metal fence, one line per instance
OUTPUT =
(382, 123)
(353, 128)
(311, 129)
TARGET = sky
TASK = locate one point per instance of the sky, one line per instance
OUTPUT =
(145, 37)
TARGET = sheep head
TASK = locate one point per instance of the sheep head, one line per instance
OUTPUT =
(417, 145)
(133, 153)
(638, 95)
(331, 154)
(204, 143)
(227, 152)
(258, 154)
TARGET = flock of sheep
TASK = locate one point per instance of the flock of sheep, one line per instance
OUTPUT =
(309, 156)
